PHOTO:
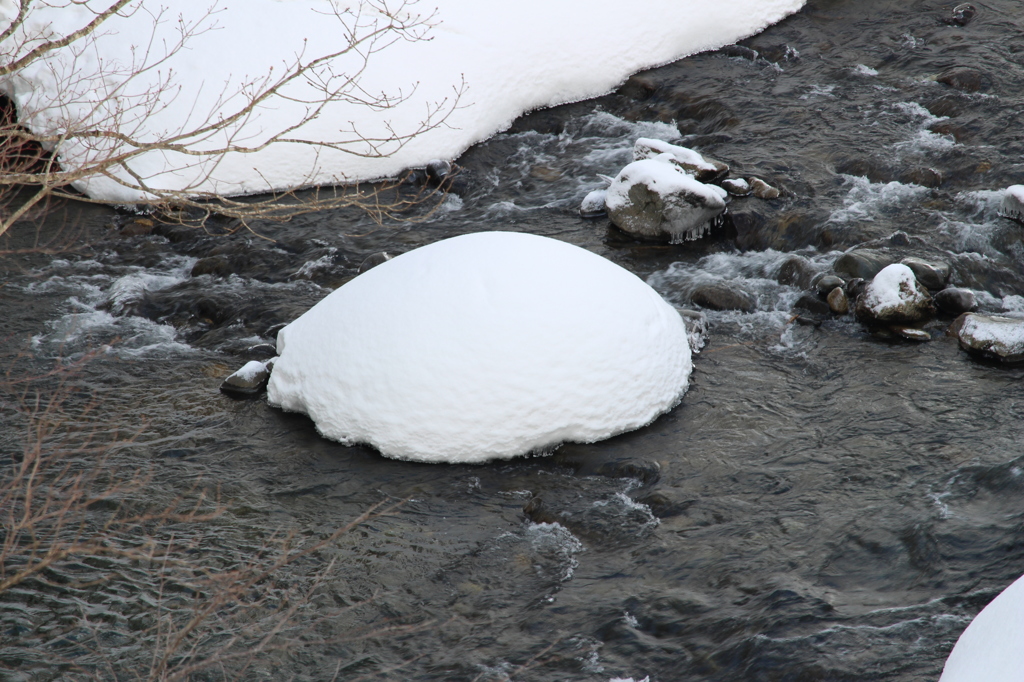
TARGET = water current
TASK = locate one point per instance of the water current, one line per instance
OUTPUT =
(823, 505)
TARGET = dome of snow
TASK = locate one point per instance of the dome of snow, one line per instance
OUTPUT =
(483, 346)
(990, 648)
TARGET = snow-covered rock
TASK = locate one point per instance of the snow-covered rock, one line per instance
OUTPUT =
(592, 205)
(991, 336)
(893, 296)
(483, 346)
(689, 160)
(1013, 203)
(512, 57)
(656, 197)
(248, 380)
(990, 648)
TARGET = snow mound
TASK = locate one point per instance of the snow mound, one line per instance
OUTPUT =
(483, 346)
(990, 648)
(512, 57)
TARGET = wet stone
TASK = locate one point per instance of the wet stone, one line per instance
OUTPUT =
(956, 301)
(899, 238)
(250, 380)
(926, 177)
(949, 106)
(721, 297)
(796, 271)
(373, 260)
(910, 333)
(826, 284)
(812, 304)
(993, 337)
(837, 301)
(861, 263)
(762, 190)
(931, 275)
(139, 227)
(855, 287)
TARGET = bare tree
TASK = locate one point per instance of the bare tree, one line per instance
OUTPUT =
(78, 136)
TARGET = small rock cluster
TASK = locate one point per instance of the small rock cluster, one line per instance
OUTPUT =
(670, 191)
(897, 299)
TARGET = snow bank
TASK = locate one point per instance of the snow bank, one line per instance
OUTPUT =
(488, 345)
(990, 648)
(512, 56)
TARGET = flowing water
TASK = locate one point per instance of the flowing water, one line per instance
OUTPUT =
(823, 505)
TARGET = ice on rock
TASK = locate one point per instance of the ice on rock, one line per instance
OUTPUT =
(990, 648)
(593, 204)
(656, 197)
(484, 346)
(1013, 203)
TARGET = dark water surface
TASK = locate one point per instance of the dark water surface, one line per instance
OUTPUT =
(823, 505)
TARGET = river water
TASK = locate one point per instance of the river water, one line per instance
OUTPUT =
(823, 505)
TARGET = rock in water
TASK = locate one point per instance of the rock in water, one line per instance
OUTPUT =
(655, 197)
(894, 296)
(593, 204)
(723, 297)
(991, 336)
(961, 15)
(247, 381)
(837, 301)
(373, 260)
(696, 328)
(954, 301)
(931, 275)
(705, 170)
(484, 346)
(989, 649)
(861, 263)
(1013, 203)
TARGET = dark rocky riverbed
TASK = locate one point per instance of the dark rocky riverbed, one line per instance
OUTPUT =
(825, 504)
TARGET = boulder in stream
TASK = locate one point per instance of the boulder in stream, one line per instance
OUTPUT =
(657, 198)
(250, 380)
(994, 337)
(694, 163)
(1013, 203)
(894, 296)
(931, 274)
(956, 301)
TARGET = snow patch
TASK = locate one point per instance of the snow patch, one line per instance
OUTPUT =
(989, 649)
(539, 57)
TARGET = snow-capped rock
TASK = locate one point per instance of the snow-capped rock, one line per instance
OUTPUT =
(657, 198)
(1013, 203)
(483, 346)
(990, 648)
(893, 296)
(991, 336)
(689, 160)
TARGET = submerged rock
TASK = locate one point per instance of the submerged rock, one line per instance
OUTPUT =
(655, 198)
(991, 336)
(963, 78)
(931, 275)
(250, 380)
(721, 297)
(894, 296)
(1013, 203)
(373, 260)
(593, 204)
(812, 304)
(694, 163)
(955, 301)
(961, 15)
